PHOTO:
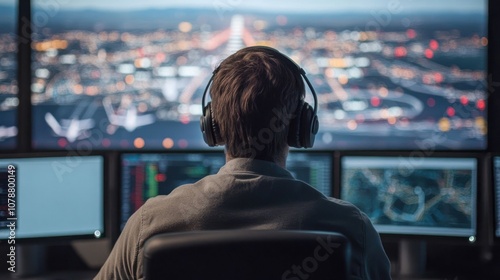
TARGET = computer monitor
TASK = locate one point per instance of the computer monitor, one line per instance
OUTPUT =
(130, 74)
(316, 169)
(145, 175)
(8, 74)
(408, 195)
(51, 197)
(496, 188)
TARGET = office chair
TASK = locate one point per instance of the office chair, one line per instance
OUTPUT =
(247, 254)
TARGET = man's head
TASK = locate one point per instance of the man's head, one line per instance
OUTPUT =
(255, 94)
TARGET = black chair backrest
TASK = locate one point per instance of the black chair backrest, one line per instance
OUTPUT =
(247, 254)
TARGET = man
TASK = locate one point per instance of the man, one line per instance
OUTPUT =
(257, 112)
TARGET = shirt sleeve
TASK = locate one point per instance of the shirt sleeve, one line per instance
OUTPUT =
(377, 264)
(122, 262)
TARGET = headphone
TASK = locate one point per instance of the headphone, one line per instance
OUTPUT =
(302, 127)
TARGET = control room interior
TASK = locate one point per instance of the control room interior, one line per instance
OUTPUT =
(100, 103)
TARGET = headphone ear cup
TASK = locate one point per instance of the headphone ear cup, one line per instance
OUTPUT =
(294, 128)
(206, 126)
(209, 128)
(309, 126)
(215, 130)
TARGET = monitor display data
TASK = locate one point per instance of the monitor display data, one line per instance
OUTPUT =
(496, 184)
(8, 74)
(415, 196)
(150, 174)
(54, 197)
(130, 74)
(313, 168)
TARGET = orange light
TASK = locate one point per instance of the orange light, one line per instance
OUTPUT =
(52, 44)
(383, 91)
(444, 124)
(343, 79)
(78, 89)
(129, 79)
(338, 63)
(91, 90)
(139, 143)
(352, 125)
(384, 113)
(185, 26)
(168, 143)
(138, 63)
(484, 41)
(481, 124)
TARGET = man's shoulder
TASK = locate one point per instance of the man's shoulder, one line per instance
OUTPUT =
(342, 208)
(183, 201)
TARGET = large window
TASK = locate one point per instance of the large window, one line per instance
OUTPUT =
(389, 74)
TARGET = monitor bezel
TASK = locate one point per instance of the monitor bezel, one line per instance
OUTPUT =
(495, 200)
(487, 138)
(66, 239)
(396, 237)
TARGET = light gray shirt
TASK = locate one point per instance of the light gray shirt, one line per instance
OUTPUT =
(247, 194)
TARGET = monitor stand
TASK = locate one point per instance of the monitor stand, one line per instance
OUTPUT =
(412, 257)
(30, 260)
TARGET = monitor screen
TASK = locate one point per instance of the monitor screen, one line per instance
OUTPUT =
(412, 195)
(8, 74)
(147, 175)
(496, 186)
(45, 197)
(388, 74)
(313, 168)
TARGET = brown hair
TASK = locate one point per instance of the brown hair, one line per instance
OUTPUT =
(255, 92)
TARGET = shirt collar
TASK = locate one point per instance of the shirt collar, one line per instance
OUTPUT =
(257, 166)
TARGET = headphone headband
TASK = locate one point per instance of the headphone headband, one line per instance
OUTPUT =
(302, 130)
(282, 58)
